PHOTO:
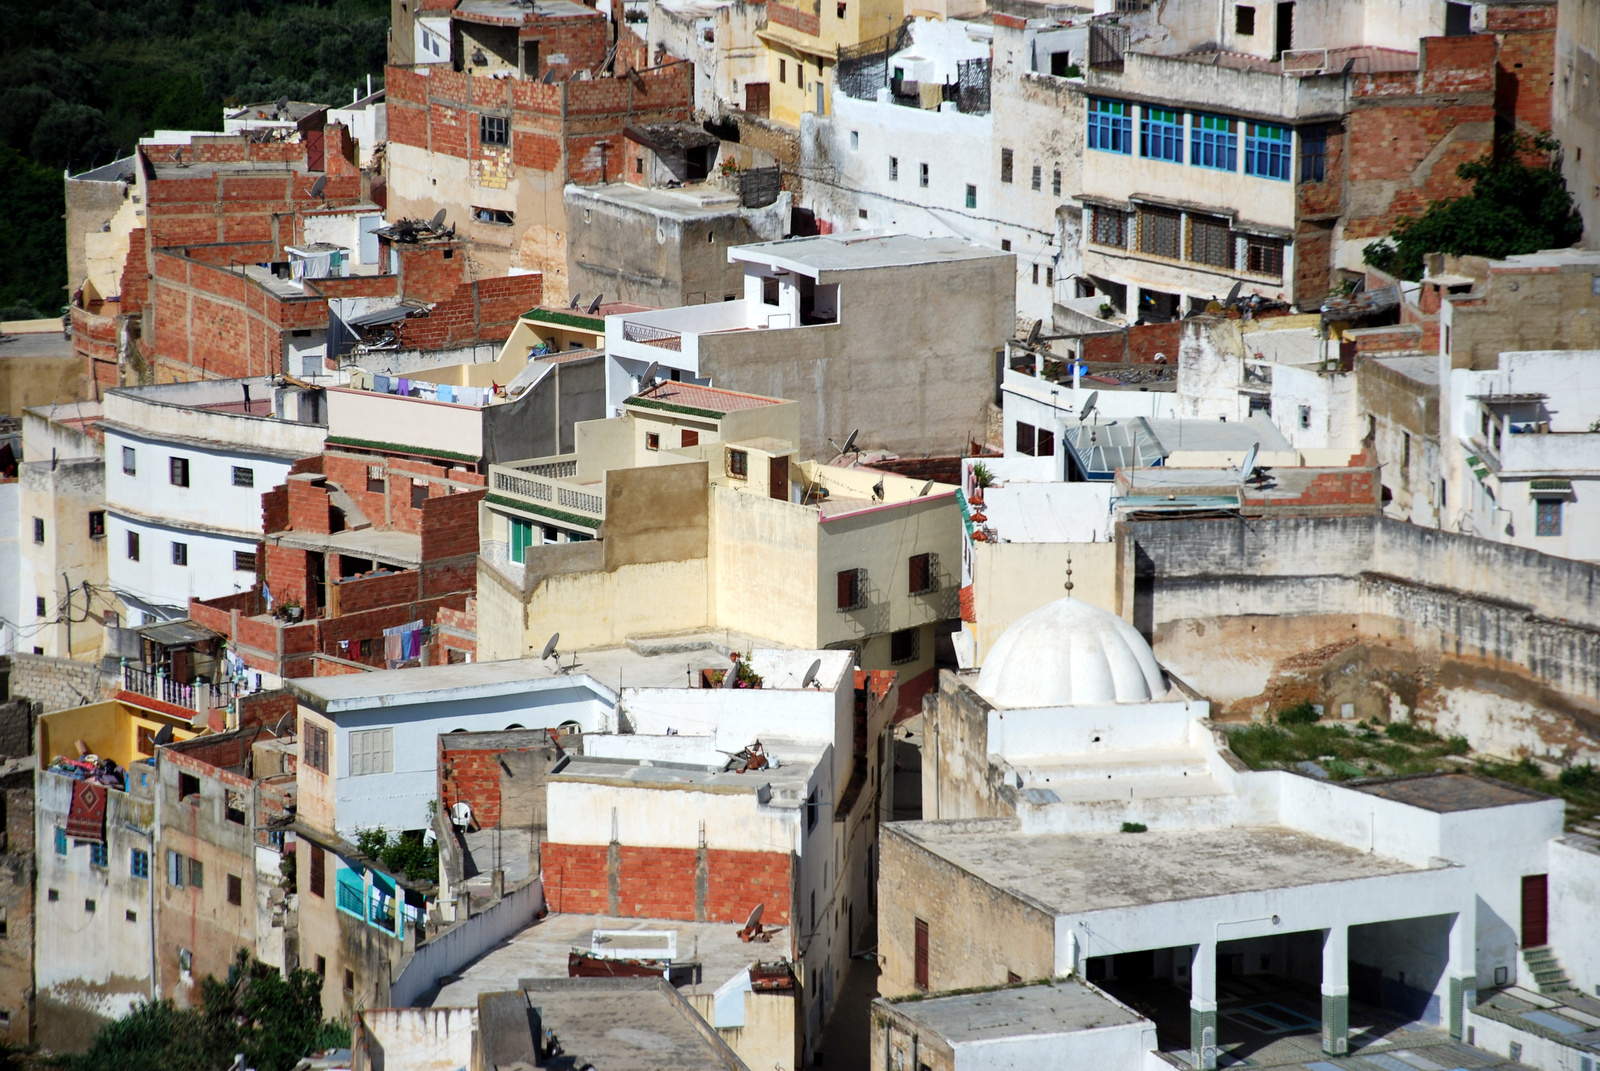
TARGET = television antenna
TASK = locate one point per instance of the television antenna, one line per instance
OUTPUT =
(811, 674)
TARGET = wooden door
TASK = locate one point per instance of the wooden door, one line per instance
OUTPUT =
(778, 479)
(922, 955)
(1535, 910)
(757, 97)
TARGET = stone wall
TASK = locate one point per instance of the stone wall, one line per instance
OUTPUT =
(53, 683)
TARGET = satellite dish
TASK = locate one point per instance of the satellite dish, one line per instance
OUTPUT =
(731, 678)
(318, 186)
(877, 490)
(164, 734)
(1034, 332)
(925, 489)
(550, 646)
(200, 720)
(648, 380)
(594, 306)
(1088, 405)
(811, 675)
(1248, 466)
(574, 302)
(1233, 296)
(283, 104)
(849, 442)
(277, 730)
(755, 917)
(549, 76)
(437, 223)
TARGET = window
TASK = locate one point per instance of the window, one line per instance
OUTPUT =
(1161, 134)
(1055, 182)
(130, 459)
(139, 863)
(1213, 142)
(894, 169)
(855, 140)
(769, 290)
(1547, 517)
(652, 440)
(1305, 417)
(1025, 438)
(180, 554)
(1264, 256)
(1044, 445)
(39, 607)
(924, 570)
(243, 477)
(494, 130)
(1049, 275)
(178, 471)
(689, 438)
(197, 874)
(375, 481)
(1035, 275)
(371, 752)
(738, 464)
(923, 176)
(1266, 150)
(1210, 241)
(235, 890)
(97, 524)
(1158, 232)
(316, 748)
(1110, 227)
(317, 879)
(1244, 20)
(1110, 126)
(98, 855)
(188, 785)
(53, 895)
(1005, 245)
(861, 213)
(244, 561)
(233, 807)
(1313, 154)
(812, 810)
(972, 196)
(419, 493)
(1457, 20)
(783, 70)
(920, 964)
(61, 841)
(506, 219)
(133, 546)
(146, 740)
(38, 529)
(176, 871)
(905, 645)
(1005, 165)
(89, 906)
(350, 975)
(852, 589)
(1038, 178)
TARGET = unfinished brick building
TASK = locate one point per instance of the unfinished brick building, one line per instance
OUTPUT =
(356, 542)
(534, 99)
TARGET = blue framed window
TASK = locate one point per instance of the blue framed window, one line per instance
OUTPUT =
(98, 855)
(1111, 126)
(61, 841)
(1213, 142)
(1161, 134)
(1266, 150)
(139, 863)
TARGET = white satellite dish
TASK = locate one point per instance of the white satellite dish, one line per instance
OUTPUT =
(755, 918)
(811, 674)
(648, 380)
(731, 678)
(1088, 405)
(1247, 467)
(550, 646)
(925, 489)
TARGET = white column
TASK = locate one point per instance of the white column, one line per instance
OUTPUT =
(1463, 968)
(1336, 991)
(1203, 1006)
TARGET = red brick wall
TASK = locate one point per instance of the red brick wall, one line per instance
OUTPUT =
(373, 592)
(216, 321)
(473, 776)
(265, 708)
(660, 882)
(450, 525)
(1135, 344)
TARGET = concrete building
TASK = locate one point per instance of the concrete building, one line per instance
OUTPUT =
(839, 324)
(1050, 1027)
(720, 38)
(63, 598)
(693, 511)
(802, 46)
(189, 463)
(17, 896)
(1030, 862)
(494, 136)
(1575, 118)
(1401, 396)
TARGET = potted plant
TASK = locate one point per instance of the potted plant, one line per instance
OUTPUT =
(290, 610)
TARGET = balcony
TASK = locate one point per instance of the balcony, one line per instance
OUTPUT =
(548, 486)
(199, 696)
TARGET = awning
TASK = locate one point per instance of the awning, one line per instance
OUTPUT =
(1479, 469)
(1554, 487)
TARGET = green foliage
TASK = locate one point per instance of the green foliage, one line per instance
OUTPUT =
(982, 475)
(401, 853)
(1514, 208)
(1301, 713)
(274, 1021)
(33, 273)
(1134, 827)
(1579, 785)
(1343, 753)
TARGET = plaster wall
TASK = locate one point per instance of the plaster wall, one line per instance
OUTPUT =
(62, 493)
(1005, 582)
(669, 816)
(426, 425)
(418, 1039)
(1576, 113)
(1125, 1045)
(1574, 890)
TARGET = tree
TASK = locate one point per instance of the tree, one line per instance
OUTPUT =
(1514, 207)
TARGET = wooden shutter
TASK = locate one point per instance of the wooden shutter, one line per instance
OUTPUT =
(1025, 438)
(778, 479)
(319, 870)
(919, 573)
(690, 438)
(1535, 910)
(922, 955)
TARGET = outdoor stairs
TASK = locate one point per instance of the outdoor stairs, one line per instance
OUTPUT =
(1546, 969)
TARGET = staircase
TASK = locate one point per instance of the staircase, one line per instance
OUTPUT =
(1546, 969)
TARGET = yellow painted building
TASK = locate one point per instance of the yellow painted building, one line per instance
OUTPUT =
(706, 519)
(802, 39)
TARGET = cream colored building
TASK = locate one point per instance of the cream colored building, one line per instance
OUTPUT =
(803, 39)
(692, 511)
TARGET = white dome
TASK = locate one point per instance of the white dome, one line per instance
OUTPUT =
(1070, 653)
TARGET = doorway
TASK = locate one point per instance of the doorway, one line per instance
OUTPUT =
(1535, 910)
(1285, 40)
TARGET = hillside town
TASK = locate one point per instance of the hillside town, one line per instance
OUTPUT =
(769, 534)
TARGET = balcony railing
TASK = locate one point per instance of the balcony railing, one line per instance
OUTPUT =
(547, 492)
(198, 697)
(647, 335)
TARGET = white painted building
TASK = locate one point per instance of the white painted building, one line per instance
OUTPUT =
(1521, 451)
(187, 466)
(367, 117)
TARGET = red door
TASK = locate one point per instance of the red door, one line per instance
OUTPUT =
(1535, 910)
(920, 962)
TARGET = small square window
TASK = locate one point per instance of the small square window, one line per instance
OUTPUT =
(861, 213)
(419, 493)
(53, 895)
(131, 915)
(235, 890)
(738, 464)
(923, 176)
(145, 740)
(243, 477)
(494, 130)
(39, 607)
(98, 855)
(1244, 20)
(133, 546)
(130, 461)
(894, 169)
(97, 524)
(652, 440)
(852, 589)
(197, 874)
(1005, 245)
(188, 785)
(178, 471)
(38, 529)
(244, 561)
(89, 906)
(972, 196)
(924, 570)
(180, 554)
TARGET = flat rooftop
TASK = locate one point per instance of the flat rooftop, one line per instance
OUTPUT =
(540, 951)
(1423, 370)
(1445, 793)
(857, 250)
(796, 759)
(1068, 873)
(699, 202)
(626, 1024)
(1062, 1007)
(512, 12)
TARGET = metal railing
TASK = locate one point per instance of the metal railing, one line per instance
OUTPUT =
(647, 335)
(543, 490)
(199, 697)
